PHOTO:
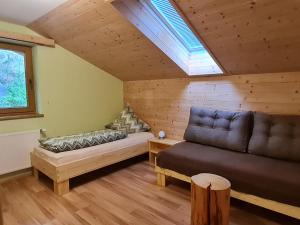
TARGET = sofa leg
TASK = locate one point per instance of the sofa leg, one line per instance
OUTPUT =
(61, 188)
(35, 173)
(161, 179)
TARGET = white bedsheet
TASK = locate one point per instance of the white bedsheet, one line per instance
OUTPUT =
(70, 156)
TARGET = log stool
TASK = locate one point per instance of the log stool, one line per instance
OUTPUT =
(210, 200)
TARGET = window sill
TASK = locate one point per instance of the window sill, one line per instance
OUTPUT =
(17, 117)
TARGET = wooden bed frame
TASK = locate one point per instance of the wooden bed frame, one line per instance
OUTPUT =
(289, 210)
(63, 173)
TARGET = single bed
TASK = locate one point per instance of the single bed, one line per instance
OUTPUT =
(60, 167)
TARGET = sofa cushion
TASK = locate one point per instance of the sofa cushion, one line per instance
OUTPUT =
(224, 129)
(261, 176)
(276, 136)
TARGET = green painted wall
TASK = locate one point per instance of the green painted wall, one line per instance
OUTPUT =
(74, 95)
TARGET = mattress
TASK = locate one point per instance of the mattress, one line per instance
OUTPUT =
(71, 156)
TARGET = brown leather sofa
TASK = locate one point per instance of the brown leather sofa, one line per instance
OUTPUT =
(258, 153)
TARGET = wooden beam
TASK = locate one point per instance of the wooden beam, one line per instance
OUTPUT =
(35, 40)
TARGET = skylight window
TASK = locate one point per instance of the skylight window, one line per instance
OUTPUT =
(172, 19)
(162, 24)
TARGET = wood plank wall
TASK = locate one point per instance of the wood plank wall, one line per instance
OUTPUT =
(165, 104)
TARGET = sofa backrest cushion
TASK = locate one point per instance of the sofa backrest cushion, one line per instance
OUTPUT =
(276, 136)
(223, 129)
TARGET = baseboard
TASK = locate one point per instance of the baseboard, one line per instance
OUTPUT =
(15, 174)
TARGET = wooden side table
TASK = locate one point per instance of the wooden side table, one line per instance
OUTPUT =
(156, 145)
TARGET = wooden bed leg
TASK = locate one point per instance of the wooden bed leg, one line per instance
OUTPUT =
(161, 179)
(61, 188)
(35, 173)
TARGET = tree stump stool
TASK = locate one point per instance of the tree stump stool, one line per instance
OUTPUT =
(210, 197)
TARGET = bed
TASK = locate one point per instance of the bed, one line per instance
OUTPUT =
(61, 167)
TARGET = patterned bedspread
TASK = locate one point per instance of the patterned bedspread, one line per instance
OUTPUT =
(84, 140)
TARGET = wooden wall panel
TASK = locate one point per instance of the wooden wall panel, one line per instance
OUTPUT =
(165, 104)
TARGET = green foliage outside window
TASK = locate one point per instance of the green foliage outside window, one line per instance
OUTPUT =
(13, 93)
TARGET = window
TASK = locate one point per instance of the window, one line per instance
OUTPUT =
(16, 80)
(172, 19)
(200, 61)
(166, 27)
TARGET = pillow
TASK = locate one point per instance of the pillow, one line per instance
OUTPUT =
(129, 122)
(276, 136)
(223, 129)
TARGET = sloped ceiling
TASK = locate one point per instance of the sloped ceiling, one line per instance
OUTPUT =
(249, 36)
(246, 36)
(97, 32)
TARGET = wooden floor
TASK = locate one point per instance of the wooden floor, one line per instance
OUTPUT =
(122, 194)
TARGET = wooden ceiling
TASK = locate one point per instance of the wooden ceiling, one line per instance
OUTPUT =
(98, 33)
(249, 36)
(246, 36)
